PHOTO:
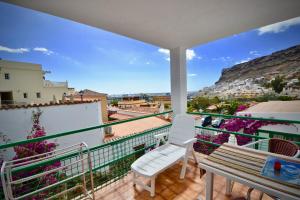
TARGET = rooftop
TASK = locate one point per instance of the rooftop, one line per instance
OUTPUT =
(275, 107)
(129, 128)
(13, 106)
(20, 65)
(89, 93)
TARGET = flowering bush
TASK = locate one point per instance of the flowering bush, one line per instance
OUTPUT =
(247, 126)
(241, 108)
(31, 149)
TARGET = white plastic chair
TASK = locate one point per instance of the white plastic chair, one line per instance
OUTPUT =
(179, 146)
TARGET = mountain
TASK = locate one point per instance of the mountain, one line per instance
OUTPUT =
(284, 63)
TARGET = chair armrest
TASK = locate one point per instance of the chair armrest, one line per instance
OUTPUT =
(190, 141)
(161, 135)
(252, 143)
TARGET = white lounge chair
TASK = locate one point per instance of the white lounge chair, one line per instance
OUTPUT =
(179, 146)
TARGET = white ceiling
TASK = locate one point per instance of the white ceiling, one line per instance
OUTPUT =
(170, 23)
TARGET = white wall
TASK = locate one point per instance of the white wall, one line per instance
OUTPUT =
(16, 123)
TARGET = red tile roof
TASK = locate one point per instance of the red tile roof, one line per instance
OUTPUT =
(8, 107)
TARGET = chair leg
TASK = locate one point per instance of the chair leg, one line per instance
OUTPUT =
(183, 169)
(195, 158)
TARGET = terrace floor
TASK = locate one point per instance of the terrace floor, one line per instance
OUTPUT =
(169, 186)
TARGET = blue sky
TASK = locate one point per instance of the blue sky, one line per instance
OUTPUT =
(106, 62)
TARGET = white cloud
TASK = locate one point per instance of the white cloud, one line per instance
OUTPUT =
(223, 58)
(164, 51)
(191, 75)
(278, 27)
(254, 53)
(148, 63)
(242, 61)
(190, 54)
(11, 50)
(43, 50)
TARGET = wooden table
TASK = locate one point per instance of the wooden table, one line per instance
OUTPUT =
(243, 165)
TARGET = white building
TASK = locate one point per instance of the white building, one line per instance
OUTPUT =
(24, 83)
(286, 110)
(16, 124)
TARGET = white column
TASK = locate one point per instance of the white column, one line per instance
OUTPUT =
(178, 80)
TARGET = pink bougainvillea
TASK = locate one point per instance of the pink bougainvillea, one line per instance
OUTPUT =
(246, 126)
(241, 108)
(31, 149)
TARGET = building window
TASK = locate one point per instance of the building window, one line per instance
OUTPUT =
(25, 95)
(6, 76)
(38, 95)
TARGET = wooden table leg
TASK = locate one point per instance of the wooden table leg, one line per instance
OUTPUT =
(209, 185)
(228, 186)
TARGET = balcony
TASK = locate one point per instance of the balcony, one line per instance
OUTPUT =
(110, 166)
(174, 25)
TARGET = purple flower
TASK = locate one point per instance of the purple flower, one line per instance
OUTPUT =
(27, 150)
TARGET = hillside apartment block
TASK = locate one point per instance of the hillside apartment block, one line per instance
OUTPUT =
(24, 83)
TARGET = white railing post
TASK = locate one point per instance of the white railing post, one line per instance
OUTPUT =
(178, 80)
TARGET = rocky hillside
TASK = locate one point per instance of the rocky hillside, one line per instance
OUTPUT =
(285, 63)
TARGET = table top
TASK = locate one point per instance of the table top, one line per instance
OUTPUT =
(245, 165)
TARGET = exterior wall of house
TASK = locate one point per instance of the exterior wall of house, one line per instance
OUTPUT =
(16, 124)
(27, 78)
(103, 102)
(104, 108)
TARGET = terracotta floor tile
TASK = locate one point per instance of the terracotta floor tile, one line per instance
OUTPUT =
(168, 194)
(169, 186)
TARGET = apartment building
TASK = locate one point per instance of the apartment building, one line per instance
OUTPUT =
(24, 83)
